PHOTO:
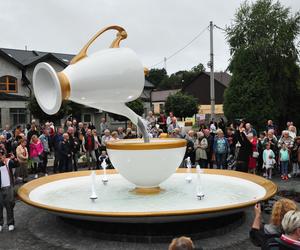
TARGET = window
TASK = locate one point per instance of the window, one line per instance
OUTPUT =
(17, 116)
(8, 84)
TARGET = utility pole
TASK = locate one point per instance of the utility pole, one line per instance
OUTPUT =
(212, 77)
(165, 63)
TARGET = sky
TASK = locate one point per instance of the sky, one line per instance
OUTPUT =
(156, 28)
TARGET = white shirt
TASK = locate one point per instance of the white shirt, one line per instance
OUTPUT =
(5, 179)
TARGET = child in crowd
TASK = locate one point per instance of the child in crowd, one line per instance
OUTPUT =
(269, 161)
(284, 161)
(104, 157)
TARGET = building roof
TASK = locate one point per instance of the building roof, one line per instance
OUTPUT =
(24, 58)
(221, 77)
(10, 97)
(149, 84)
(162, 95)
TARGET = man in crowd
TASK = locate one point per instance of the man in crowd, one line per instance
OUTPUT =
(244, 150)
(103, 126)
(33, 131)
(173, 125)
(65, 163)
(121, 133)
(7, 199)
(75, 146)
(151, 119)
(88, 145)
(57, 139)
(249, 129)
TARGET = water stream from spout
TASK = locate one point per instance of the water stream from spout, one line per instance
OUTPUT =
(122, 109)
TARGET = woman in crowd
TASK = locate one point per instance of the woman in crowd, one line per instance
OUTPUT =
(201, 145)
(35, 151)
(182, 243)
(129, 134)
(114, 136)
(22, 156)
(221, 149)
(253, 157)
(97, 147)
(271, 138)
(286, 139)
(261, 233)
(291, 227)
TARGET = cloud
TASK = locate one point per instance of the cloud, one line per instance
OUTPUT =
(155, 28)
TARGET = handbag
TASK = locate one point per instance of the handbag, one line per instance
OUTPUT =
(255, 154)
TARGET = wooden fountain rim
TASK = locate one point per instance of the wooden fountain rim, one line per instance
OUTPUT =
(24, 192)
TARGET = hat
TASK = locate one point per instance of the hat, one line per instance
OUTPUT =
(297, 138)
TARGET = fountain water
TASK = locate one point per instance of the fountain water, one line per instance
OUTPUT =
(188, 178)
(104, 178)
(199, 187)
(93, 184)
(122, 109)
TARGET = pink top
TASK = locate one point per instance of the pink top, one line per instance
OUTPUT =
(35, 149)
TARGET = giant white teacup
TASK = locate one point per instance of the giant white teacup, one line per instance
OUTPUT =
(146, 164)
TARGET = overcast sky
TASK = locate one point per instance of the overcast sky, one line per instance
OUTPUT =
(156, 28)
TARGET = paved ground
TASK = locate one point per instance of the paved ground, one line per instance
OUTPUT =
(38, 230)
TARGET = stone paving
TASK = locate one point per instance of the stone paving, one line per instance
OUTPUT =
(36, 229)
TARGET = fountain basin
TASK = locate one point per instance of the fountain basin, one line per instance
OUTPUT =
(67, 195)
(146, 165)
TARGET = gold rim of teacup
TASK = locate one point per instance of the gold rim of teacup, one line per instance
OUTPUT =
(138, 144)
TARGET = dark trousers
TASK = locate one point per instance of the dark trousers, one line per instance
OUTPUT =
(65, 164)
(241, 166)
(56, 161)
(220, 160)
(203, 163)
(75, 161)
(44, 162)
(7, 201)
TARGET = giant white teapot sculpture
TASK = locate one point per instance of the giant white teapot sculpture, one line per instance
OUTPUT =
(106, 80)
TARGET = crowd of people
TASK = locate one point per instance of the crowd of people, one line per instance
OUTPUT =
(235, 146)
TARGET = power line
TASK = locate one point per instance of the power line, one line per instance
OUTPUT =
(218, 27)
(181, 49)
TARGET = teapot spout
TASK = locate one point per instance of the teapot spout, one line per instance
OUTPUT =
(122, 109)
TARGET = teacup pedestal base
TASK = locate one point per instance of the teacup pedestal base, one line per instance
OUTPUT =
(147, 191)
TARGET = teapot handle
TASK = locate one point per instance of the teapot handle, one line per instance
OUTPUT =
(115, 44)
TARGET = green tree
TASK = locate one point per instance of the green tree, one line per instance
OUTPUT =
(264, 57)
(176, 80)
(156, 76)
(181, 105)
(37, 112)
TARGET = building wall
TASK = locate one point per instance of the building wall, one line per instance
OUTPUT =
(7, 68)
